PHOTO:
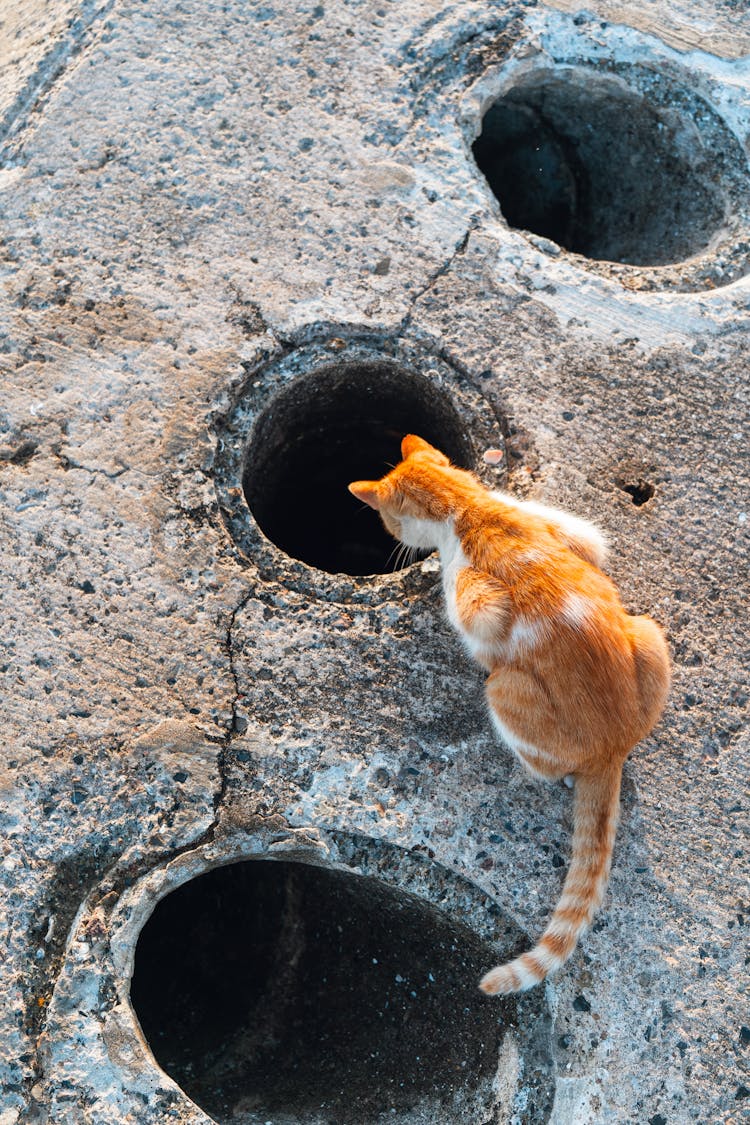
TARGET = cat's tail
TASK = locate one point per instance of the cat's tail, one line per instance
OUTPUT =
(595, 814)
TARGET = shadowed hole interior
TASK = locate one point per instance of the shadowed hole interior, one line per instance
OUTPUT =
(341, 423)
(587, 161)
(640, 491)
(281, 991)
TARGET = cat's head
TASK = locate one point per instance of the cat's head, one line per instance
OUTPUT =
(415, 499)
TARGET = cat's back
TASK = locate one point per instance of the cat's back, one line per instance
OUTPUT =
(561, 605)
(534, 548)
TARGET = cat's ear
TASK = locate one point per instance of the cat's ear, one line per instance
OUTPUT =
(367, 491)
(413, 444)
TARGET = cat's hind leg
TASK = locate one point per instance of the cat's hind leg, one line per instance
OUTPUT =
(524, 718)
(651, 657)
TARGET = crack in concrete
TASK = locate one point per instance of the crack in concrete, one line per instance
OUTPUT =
(232, 731)
(68, 463)
(441, 271)
(113, 879)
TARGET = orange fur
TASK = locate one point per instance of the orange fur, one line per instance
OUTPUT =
(574, 681)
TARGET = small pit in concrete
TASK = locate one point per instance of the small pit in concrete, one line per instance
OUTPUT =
(585, 159)
(279, 991)
(640, 491)
(343, 422)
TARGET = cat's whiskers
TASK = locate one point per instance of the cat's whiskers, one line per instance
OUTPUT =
(412, 554)
(403, 557)
(393, 557)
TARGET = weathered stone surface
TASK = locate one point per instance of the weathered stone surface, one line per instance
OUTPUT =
(189, 192)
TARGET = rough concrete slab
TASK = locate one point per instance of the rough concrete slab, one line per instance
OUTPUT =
(197, 192)
(38, 42)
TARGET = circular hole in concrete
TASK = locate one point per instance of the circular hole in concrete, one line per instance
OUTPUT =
(344, 422)
(591, 163)
(279, 991)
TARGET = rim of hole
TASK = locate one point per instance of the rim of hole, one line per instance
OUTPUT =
(288, 384)
(395, 865)
(669, 89)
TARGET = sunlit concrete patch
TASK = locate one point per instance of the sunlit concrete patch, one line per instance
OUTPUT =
(38, 41)
(694, 104)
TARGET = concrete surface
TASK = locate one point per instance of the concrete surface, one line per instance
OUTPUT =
(198, 199)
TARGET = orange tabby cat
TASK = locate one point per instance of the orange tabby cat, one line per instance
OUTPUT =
(574, 681)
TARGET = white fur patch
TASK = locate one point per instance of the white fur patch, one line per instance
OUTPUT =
(452, 559)
(509, 738)
(573, 526)
(525, 752)
(522, 750)
(527, 979)
(535, 761)
(425, 534)
(525, 634)
(452, 556)
(576, 610)
(560, 929)
(577, 903)
(547, 959)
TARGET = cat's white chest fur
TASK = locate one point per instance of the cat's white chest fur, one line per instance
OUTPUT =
(452, 561)
(430, 534)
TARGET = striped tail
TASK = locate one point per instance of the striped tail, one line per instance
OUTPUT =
(595, 813)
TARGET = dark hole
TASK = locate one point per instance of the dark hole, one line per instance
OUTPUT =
(340, 424)
(641, 491)
(592, 165)
(279, 988)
